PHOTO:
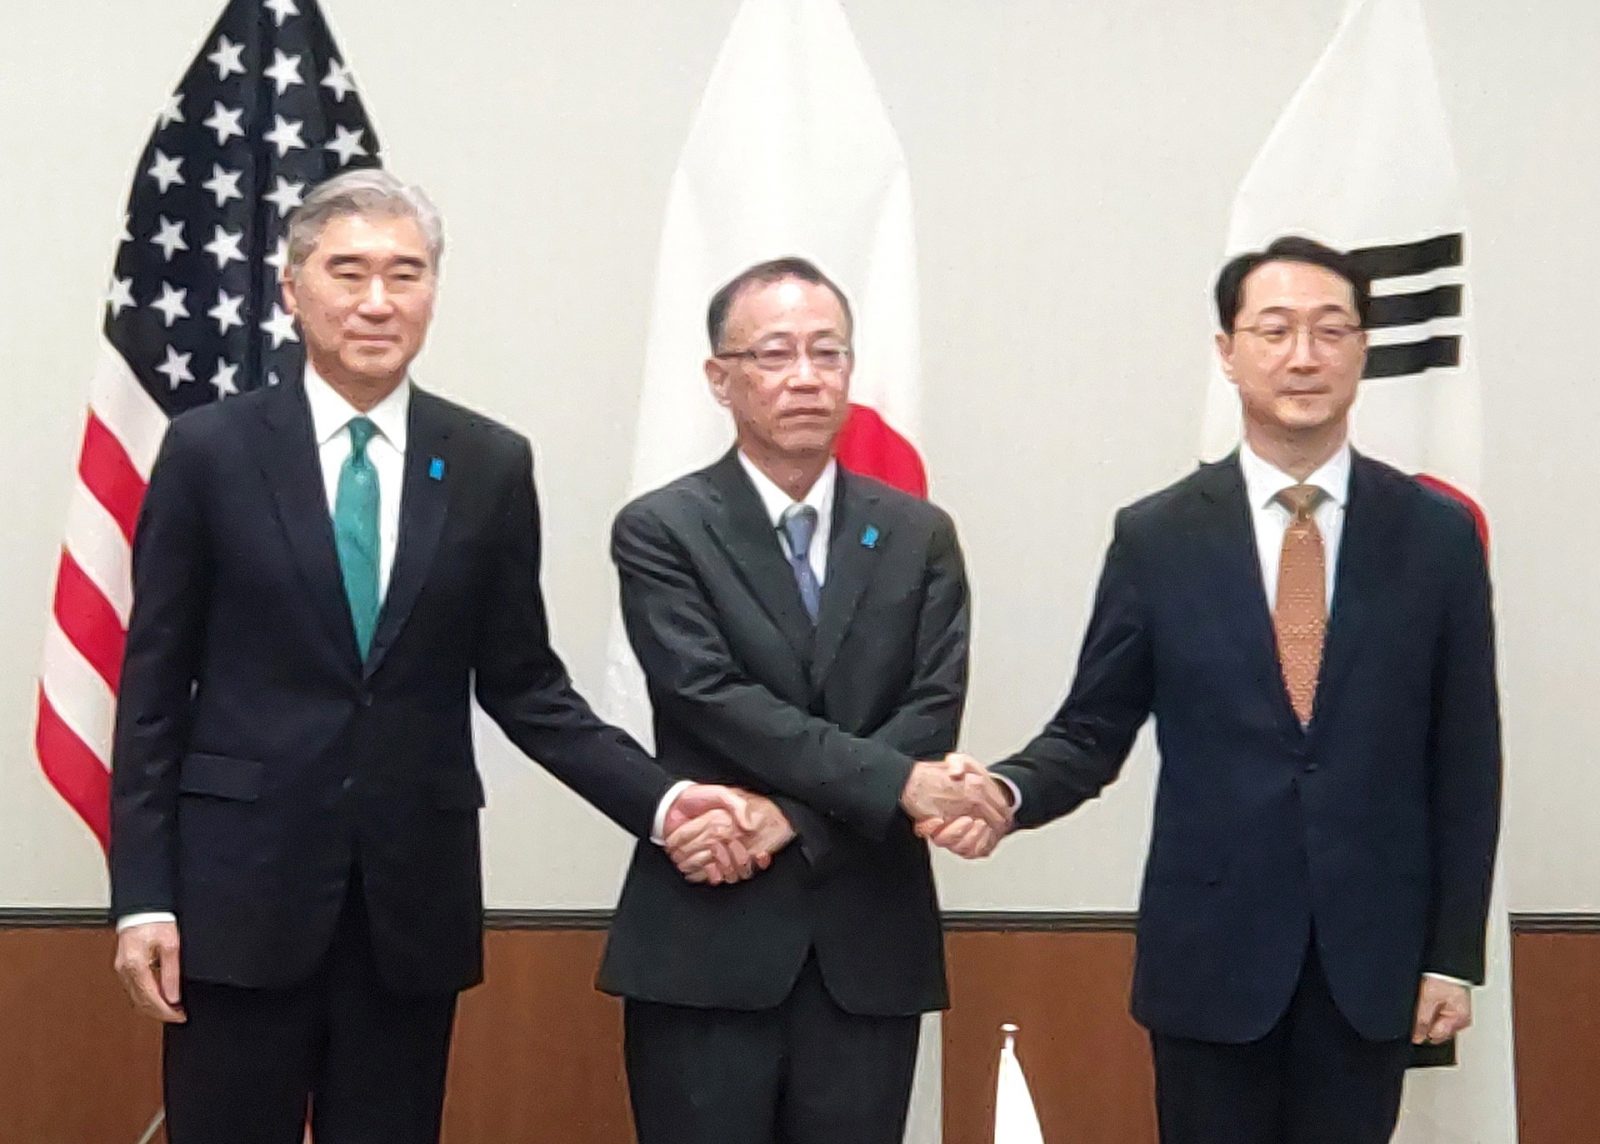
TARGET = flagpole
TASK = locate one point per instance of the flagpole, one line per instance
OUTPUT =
(155, 1126)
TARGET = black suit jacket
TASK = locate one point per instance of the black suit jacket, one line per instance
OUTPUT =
(828, 720)
(257, 758)
(1376, 825)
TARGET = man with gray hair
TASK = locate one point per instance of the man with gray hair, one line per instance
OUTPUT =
(324, 572)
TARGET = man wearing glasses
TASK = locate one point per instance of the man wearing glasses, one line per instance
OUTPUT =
(803, 631)
(1312, 631)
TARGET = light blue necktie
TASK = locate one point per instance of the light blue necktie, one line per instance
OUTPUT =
(799, 524)
(355, 532)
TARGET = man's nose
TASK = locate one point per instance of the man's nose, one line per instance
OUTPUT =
(1303, 354)
(376, 295)
(804, 375)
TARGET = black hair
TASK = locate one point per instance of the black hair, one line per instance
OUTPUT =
(1290, 248)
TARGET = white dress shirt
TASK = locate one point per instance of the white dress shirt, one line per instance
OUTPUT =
(331, 415)
(777, 502)
(1270, 518)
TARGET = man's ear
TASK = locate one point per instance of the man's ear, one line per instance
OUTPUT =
(717, 378)
(1224, 344)
(286, 288)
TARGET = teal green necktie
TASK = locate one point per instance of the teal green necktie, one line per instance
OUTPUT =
(355, 532)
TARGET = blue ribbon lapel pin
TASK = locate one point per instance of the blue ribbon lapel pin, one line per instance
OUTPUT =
(436, 468)
(869, 536)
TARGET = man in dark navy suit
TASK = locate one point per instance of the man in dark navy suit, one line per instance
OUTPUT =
(1312, 631)
(324, 573)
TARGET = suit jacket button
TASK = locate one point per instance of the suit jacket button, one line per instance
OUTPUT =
(366, 699)
(1311, 766)
(348, 782)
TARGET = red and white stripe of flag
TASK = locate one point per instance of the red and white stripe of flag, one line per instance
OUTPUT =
(89, 611)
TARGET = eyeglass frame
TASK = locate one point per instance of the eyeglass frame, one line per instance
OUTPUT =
(795, 352)
(1292, 332)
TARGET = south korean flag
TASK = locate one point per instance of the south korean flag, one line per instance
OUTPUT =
(1361, 160)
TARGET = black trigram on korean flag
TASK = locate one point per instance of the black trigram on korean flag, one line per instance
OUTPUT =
(1414, 321)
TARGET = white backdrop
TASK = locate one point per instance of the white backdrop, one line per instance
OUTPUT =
(1073, 165)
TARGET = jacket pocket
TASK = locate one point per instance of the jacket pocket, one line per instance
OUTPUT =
(460, 789)
(221, 776)
(1178, 860)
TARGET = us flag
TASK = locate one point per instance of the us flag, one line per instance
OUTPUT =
(193, 315)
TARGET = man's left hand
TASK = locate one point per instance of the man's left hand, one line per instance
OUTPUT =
(722, 818)
(693, 846)
(1443, 1010)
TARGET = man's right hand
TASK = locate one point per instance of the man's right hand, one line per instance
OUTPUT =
(147, 962)
(957, 787)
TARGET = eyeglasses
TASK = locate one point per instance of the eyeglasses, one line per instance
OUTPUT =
(775, 357)
(1280, 335)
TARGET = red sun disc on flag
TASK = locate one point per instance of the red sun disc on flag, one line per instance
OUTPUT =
(870, 446)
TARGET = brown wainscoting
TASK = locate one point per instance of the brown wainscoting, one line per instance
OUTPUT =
(538, 1052)
(1556, 970)
(76, 1064)
(1087, 1063)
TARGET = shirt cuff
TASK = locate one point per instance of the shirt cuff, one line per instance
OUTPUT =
(1016, 792)
(658, 827)
(128, 921)
(1451, 980)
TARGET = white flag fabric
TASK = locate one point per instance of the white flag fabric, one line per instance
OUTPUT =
(1361, 159)
(1015, 1120)
(791, 152)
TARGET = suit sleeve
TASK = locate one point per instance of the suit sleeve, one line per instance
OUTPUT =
(1083, 748)
(166, 635)
(928, 720)
(675, 633)
(1464, 770)
(524, 686)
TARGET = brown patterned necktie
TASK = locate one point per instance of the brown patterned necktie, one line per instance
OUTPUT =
(1300, 617)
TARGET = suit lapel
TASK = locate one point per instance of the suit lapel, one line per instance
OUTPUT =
(743, 530)
(424, 496)
(1370, 520)
(851, 563)
(286, 451)
(1241, 598)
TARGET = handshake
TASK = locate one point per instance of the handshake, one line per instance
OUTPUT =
(719, 834)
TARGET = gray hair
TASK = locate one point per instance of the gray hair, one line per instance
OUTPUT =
(362, 191)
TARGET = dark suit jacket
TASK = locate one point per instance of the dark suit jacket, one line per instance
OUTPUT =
(1377, 825)
(828, 720)
(257, 758)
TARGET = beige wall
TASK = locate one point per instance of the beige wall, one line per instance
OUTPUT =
(1073, 165)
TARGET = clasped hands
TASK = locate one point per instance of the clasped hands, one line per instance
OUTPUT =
(718, 834)
(958, 805)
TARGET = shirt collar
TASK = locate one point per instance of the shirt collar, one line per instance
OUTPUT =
(330, 412)
(1263, 481)
(776, 501)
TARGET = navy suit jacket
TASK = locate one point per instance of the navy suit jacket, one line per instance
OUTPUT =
(258, 759)
(1374, 827)
(826, 719)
